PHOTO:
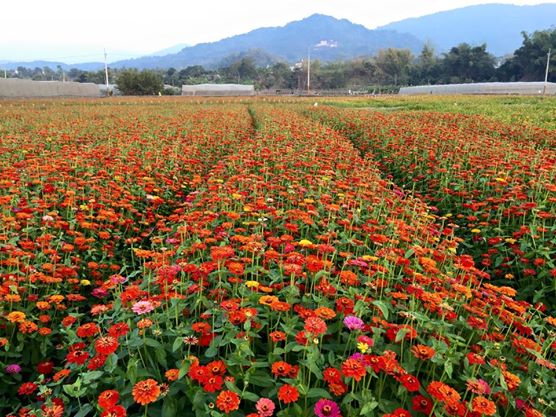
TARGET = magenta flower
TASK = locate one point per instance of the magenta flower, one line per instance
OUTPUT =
(326, 408)
(142, 307)
(265, 407)
(353, 323)
(13, 369)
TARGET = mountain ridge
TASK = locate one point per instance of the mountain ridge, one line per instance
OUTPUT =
(498, 25)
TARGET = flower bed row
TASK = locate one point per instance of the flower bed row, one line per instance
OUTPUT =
(495, 182)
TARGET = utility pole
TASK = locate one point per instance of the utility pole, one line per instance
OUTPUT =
(308, 70)
(546, 72)
(5, 73)
(106, 74)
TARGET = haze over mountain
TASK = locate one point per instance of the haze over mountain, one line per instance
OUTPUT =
(497, 25)
(329, 39)
(326, 37)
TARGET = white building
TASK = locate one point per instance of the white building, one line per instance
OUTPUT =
(518, 88)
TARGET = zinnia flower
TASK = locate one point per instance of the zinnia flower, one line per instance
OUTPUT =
(353, 368)
(265, 407)
(326, 408)
(106, 345)
(142, 307)
(483, 406)
(108, 399)
(146, 392)
(354, 323)
(315, 326)
(288, 394)
(14, 368)
(227, 401)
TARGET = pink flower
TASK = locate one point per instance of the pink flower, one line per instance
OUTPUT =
(142, 307)
(327, 408)
(265, 407)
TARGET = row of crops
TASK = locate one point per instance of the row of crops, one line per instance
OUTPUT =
(176, 259)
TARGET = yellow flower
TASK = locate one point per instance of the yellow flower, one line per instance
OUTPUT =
(475, 230)
(85, 282)
(510, 240)
(363, 347)
(252, 284)
(305, 242)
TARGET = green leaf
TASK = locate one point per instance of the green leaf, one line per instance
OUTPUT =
(153, 343)
(261, 380)
(89, 377)
(448, 368)
(250, 396)
(177, 344)
(319, 393)
(212, 350)
(169, 407)
(368, 408)
(132, 371)
(84, 410)
(383, 307)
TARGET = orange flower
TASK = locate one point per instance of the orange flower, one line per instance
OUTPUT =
(422, 351)
(484, 406)
(146, 392)
(227, 401)
(325, 313)
(172, 374)
(16, 317)
(353, 368)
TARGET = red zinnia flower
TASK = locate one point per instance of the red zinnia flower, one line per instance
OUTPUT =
(353, 368)
(87, 330)
(213, 383)
(27, 388)
(146, 392)
(106, 345)
(79, 357)
(227, 401)
(108, 399)
(422, 404)
(116, 411)
(199, 373)
(45, 368)
(118, 330)
(315, 326)
(332, 375)
(288, 394)
(281, 368)
(410, 382)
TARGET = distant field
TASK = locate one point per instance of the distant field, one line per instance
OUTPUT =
(266, 257)
(531, 111)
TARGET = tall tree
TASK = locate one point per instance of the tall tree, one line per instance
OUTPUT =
(465, 63)
(133, 82)
(529, 61)
(395, 64)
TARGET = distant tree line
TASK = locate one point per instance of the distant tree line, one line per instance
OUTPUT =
(390, 68)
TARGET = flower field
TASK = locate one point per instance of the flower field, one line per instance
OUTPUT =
(219, 258)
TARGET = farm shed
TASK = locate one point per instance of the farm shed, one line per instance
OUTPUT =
(518, 88)
(16, 88)
(218, 90)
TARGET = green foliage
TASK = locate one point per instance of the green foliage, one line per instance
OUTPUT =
(529, 61)
(134, 83)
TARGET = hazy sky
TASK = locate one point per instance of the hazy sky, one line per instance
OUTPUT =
(75, 31)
